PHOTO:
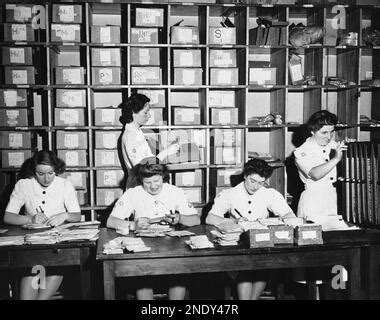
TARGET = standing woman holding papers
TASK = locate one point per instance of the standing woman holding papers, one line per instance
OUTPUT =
(134, 147)
(47, 199)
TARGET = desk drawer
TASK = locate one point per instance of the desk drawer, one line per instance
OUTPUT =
(45, 257)
(4, 259)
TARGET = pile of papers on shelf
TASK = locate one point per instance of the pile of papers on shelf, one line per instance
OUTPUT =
(154, 230)
(199, 242)
(12, 241)
(117, 245)
(261, 155)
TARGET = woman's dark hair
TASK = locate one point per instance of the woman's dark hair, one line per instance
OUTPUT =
(48, 158)
(259, 167)
(134, 104)
(150, 168)
(321, 118)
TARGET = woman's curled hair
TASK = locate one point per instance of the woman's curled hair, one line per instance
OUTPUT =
(134, 104)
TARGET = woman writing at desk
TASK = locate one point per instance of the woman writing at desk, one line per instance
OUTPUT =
(133, 143)
(154, 200)
(47, 199)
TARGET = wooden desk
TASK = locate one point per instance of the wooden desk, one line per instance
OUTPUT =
(50, 255)
(173, 256)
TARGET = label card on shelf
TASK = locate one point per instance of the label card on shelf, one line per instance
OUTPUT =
(188, 77)
(144, 56)
(227, 99)
(72, 76)
(228, 154)
(105, 76)
(110, 178)
(69, 116)
(187, 115)
(108, 158)
(186, 59)
(72, 98)
(12, 117)
(17, 55)
(105, 34)
(105, 57)
(19, 32)
(76, 178)
(72, 158)
(188, 178)
(108, 115)
(65, 32)
(260, 75)
(10, 98)
(262, 237)
(309, 234)
(224, 76)
(144, 36)
(21, 13)
(19, 76)
(187, 35)
(71, 141)
(66, 13)
(16, 159)
(109, 141)
(224, 117)
(15, 140)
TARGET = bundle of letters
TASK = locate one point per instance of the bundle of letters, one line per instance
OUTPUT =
(11, 241)
(199, 242)
(117, 245)
(154, 230)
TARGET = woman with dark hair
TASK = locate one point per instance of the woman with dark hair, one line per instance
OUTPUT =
(152, 201)
(47, 199)
(316, 160)
(134, 147)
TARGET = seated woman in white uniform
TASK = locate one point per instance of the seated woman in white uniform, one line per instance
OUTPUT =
(250, 200)
(316, 160)
(134, 147)
(47, 199)
(153, 200)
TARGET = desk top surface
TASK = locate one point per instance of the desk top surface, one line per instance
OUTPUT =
(18, 231)
(171, 247)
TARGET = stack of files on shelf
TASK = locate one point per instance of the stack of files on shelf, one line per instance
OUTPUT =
(261, 155)
(11, 241)
(272, 33)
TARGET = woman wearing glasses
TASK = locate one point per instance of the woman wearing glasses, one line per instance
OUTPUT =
(250, 200)
(154, 200)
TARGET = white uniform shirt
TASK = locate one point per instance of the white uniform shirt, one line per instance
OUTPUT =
(58, 197)
(142, 204)
(134, 146)
(252, 207)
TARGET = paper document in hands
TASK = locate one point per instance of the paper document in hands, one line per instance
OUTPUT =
(333, 222)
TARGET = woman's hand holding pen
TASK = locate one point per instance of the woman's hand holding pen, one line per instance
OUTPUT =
(241, 218)
(39, 217)
(172, 218)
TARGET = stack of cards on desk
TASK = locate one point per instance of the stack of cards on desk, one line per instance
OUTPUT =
(181, 233)
(229, 227)
(199, 242)
(154, 230)
(114, 246)
(134, 244)
(12, 241)
(41, 238)
(225, 239)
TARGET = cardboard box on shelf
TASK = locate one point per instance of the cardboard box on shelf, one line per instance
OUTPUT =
(105, 57)
(65, 32)
(189, 178)
(222, 58)
(73, 158)
(78, 179)
(106, 75)
(13, 117)
(187, 58)
(144, 35)
(13, 98)
(15, 140)
(109, 178)
(19, 75)
(107, 158)
(185, 99)
(188, 76)
(106, 139)
(223, 176)
(184, 35)
(69, 117)
(18, 32)
(182, 136)
(82, 196)
(224, 76)
(70, 98)
(157, 97)
(224, 116)
(67, 13)
(187, 116)
(262, 76)
(221, 99)
(107, 196)
(156, 117)
(226, 155)
(107, 117)
(193, 194)
(19, 13)
(226, 137)
(18, 55)
(146, 75)
(69, 75)
(14, 158)
(145, 56)
(71, 140)
(105, 34)
(65, 56)
(104, 99)
(221, 35)
(149, 17)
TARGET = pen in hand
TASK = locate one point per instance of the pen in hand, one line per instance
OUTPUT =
(241, 216)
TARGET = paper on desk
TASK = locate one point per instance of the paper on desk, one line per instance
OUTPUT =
(249, 225)
(199, 242)
(333, 222)
(3, 231)
(11, 241)
(182, 233)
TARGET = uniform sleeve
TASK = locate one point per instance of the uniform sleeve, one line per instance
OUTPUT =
(278, 204)
(222, 204)
(183, 205)
(305, 161)
(135, 149)
(70, 198)
(17, 199)
(123, 207)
